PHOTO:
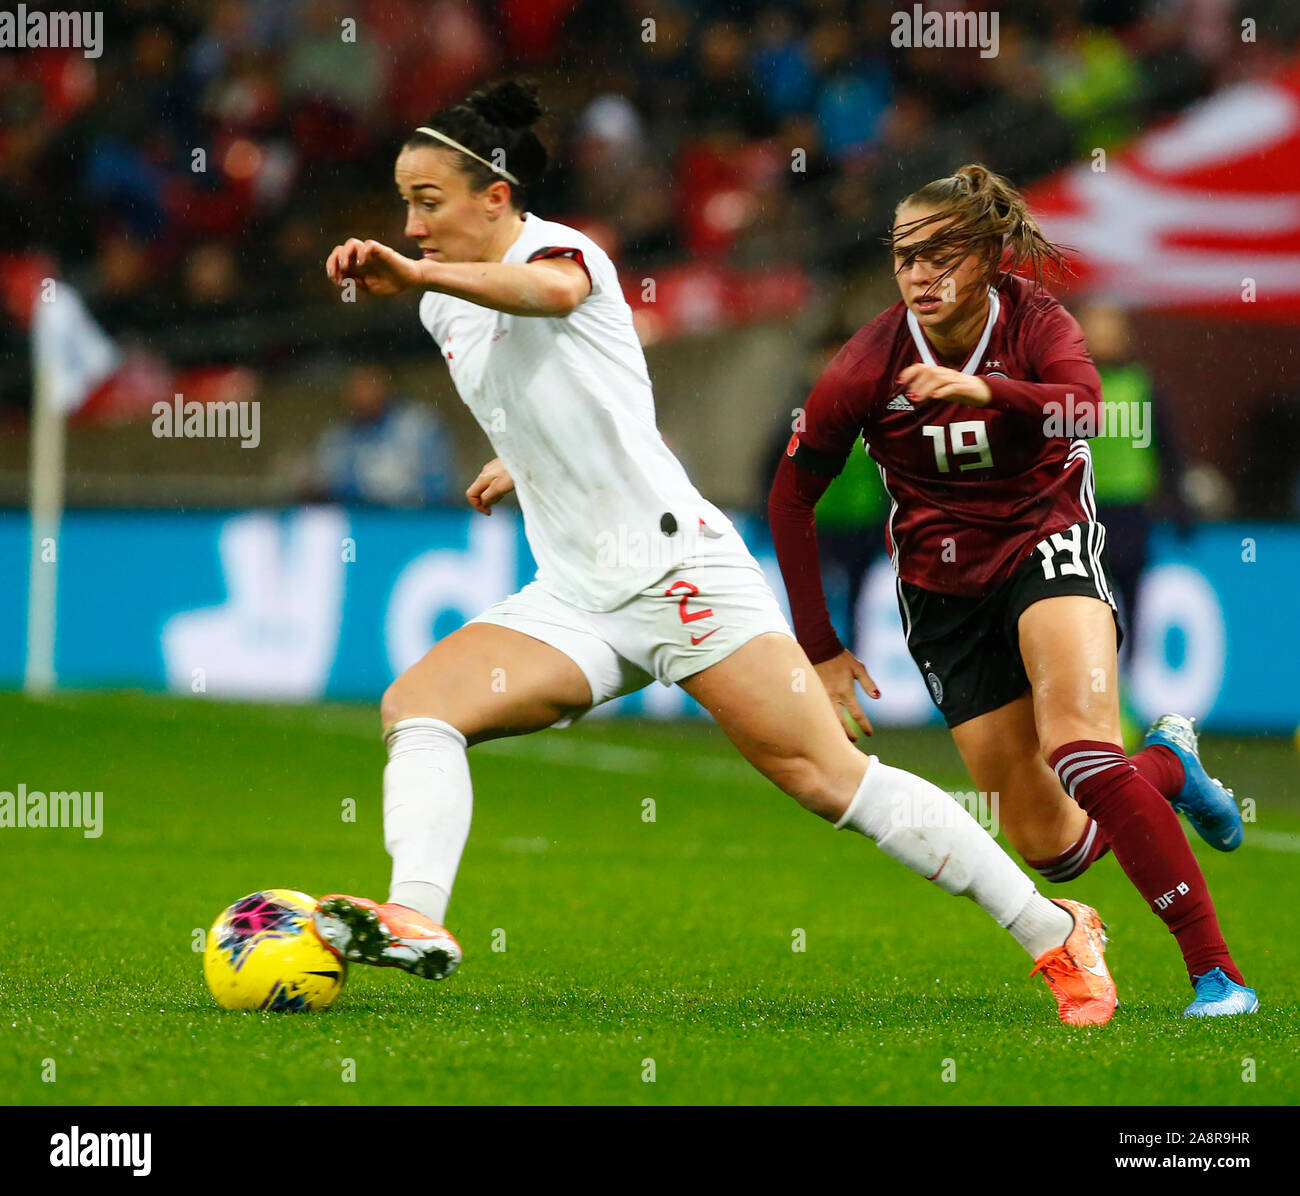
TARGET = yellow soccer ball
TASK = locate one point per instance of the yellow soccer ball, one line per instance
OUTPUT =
(264, 953)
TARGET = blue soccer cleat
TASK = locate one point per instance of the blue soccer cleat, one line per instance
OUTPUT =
(1208, 804)
(1217, 996)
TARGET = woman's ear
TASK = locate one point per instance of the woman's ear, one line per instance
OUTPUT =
(500, 204)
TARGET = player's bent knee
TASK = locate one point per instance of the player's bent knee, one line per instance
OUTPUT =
(1048, 745)
(404, 700)
(393, 705)
(1062, 718)
(1057, 732)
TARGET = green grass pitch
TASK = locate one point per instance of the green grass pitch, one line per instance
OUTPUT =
(625, 940)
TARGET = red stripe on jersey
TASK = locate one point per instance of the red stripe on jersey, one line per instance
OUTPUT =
(550, 251)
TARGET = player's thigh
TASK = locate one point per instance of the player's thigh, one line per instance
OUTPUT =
(1001, 753)
(771, 703)
(489, 681)
(1069, 648)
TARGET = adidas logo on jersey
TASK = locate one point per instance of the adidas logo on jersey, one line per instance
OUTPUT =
(899, 403)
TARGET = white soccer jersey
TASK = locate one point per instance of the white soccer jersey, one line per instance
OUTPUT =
(567, 405)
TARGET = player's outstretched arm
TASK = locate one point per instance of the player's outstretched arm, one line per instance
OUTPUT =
(549, 287)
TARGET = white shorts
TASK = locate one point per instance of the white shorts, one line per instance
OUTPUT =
(697, 614)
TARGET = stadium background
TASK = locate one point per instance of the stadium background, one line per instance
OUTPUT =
(675, 144)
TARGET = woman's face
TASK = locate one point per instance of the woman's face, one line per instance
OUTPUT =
(936, 290)
(449, 221)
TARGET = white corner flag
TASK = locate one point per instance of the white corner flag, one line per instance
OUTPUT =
(71, 356)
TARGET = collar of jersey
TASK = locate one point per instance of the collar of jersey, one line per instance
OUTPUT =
(973, 364)
(523, 232)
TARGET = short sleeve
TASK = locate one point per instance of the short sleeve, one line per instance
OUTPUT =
(572, 252)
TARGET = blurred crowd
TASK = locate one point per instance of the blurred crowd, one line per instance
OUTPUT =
(191, 180)
(386, 450)
(204, 164)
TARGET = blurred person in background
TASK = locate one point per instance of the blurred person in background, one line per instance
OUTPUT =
(854, 88)
(1093, 81)
(215, 288)
(783, 65)
(619, 192)
(321, 65)
(124, 294)
(726, 90)
(389, 452)
(665, 70)
(1132, 479)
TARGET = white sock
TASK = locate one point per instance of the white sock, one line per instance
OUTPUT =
(1041, 925)
(428, 801)
(928, 831)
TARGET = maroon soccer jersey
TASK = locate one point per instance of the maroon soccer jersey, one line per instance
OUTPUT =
(972, 489)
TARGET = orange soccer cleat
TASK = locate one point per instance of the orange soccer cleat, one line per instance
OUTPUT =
(1076, 971)
(387, 936)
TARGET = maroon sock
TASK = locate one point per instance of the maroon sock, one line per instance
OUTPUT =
(1075, 859)
(1150, 846)
(1161, 768)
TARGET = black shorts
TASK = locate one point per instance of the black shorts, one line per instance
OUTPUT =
(968, 649)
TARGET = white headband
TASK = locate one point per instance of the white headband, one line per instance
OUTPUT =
(505, 174)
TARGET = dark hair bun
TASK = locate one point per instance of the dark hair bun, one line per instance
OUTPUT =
(508, 105)
(493, 120)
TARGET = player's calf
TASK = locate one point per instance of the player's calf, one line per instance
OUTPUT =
(1151, 848)
(820, 787)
